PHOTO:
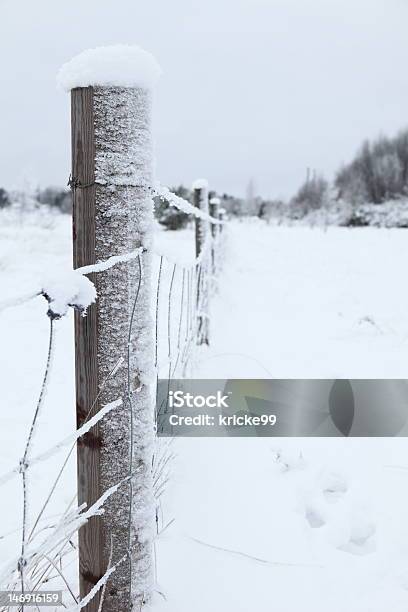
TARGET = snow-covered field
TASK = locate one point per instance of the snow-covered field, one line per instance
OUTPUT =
(260, 524)
(307, 303)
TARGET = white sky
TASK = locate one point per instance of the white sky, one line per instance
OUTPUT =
(260, 88)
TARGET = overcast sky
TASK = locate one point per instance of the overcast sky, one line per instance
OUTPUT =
(250, 88)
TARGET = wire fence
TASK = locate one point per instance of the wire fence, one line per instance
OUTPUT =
(183, 289)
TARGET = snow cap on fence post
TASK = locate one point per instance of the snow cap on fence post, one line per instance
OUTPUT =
(112, 182)
(113, 66)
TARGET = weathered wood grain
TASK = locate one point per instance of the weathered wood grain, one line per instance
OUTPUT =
(91, 562)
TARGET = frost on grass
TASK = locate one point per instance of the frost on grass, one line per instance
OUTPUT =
(116, 65)
(68, 289)
(56, 535)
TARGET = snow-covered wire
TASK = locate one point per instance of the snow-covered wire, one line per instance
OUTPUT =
(130, 405)
(183, 205)
(61, 471)
(67, 289)
(180, 323)
(97, 587)
(18, 300)
(157, 311)
(66, 441)
(24, 462)
(102, 266)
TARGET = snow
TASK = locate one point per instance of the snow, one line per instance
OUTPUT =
(260, 524)
(310, 303)
(232, 495)
(64, 289)
(101, 266)
(200, 184)
(17, 300)
(116, 65)
(390, 214)
(68, 288)
(98, 586)
(69, 440)
(294, 524)
(184, 205)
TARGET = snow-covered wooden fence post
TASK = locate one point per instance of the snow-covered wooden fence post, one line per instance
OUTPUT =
(222, 217)
(214, 208)
(112, 181)
(202, 229)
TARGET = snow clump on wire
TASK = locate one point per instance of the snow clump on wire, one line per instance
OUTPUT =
(69, 289)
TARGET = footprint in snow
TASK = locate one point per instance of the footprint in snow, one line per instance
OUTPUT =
(362, 540)
(329, 508)
(342, 525)
(288, 460)
(314, 517)
(335, 515)
(334, 486)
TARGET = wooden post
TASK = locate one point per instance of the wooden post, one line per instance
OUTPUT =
(200, 190)
(91, 562)
(214, 207)
(222, 217)
(112, 177)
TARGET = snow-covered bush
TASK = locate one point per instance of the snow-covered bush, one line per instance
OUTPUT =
(334, 212)
(312, 195)
(340, 213)
(389, 214)
(379, 171)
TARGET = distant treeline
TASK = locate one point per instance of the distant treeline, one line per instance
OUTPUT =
(55, 197)
(378, 174)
